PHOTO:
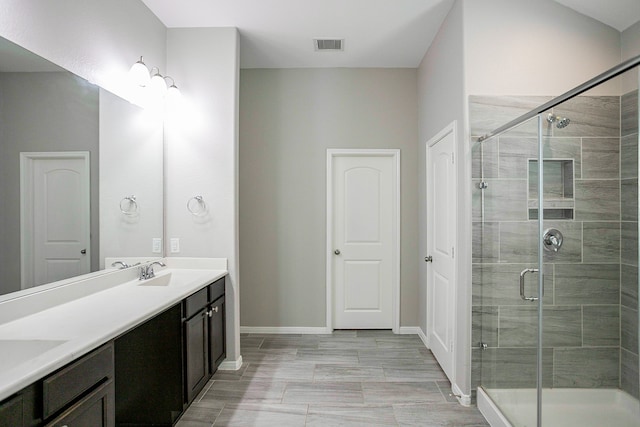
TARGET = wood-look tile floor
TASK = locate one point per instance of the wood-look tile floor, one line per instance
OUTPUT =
(349, 378)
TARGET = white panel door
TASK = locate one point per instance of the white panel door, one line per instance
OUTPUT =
(363, 241)
(57, 190)
(441, 222)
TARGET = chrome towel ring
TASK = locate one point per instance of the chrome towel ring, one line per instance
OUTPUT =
(129, 206)
(197, 206)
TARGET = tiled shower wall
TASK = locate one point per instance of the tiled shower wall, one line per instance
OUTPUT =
(584, 344)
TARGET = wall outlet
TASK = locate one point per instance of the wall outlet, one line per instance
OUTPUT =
(156, 245)
(175, 245)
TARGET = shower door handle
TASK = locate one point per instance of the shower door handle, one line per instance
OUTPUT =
(522, 274)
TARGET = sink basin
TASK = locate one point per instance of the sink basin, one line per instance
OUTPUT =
(163, 280)
(15, 352)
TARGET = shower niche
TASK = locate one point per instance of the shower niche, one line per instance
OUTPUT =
(558, 196)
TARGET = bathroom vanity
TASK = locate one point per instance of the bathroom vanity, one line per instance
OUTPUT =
(113, 351)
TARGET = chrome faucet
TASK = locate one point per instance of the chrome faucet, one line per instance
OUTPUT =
(146, 271)
(123, 265)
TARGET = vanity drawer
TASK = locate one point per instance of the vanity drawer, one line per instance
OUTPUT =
(216, 289)
(195, 303)
(71, 382)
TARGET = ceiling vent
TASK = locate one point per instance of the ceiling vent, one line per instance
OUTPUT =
(323, 45)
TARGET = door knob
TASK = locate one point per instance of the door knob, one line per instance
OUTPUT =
(428, 259)
(337, 252)
(83, 252)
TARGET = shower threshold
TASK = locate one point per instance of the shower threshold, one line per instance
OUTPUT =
(562, 407)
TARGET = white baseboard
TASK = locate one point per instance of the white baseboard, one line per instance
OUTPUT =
(231, 365)
(408, 330)
(284, 330)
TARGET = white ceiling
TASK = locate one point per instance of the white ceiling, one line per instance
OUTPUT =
(377, 33)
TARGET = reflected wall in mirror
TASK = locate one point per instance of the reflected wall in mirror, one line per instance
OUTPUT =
(69, 152)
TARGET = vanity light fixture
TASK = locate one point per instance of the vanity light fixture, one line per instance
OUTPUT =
(157, 83)
(139, 73)
(173, 93)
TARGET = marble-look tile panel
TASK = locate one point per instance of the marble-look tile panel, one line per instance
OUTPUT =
(401, 392)
(591, 116)
(356, 373)
(629, 329)
(514, 156)
(519, 326)
(629, 286)
(487, 113)
(484, 159)
(436, 414)
(601, 241)
(201, 413)
(347, 343)
(252, 355)
(245, 391)
(284, 371)
(515, 367)
(352, 415)
(504, 200)
(600, 158)
(586, 367)
(587, 284)
(629, 243)
(519, 242)
(629, 373)
(597, 200)
(262, 415)
(344, 357)
(484, 320)
(499, 284)
(486, 243)
(220, 375)
(428, 372)
(323, 392)
(601, 325)
(629, 112)
(629, 199)
(629, 156)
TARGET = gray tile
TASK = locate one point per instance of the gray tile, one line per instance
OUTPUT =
(324, 392)
(597, 200)
(288, 343)
(515, 367)
(587, 284)
(591, 116)
(484, 159)
(251, 355)
(484, 326)
(629, 156)
(486, 242)
(629, 112)
(230, 375)
(601, 325)
(245, 391)
(400, 341)
(629, 286)
(445, 390)
(564, 148)
(486, 113)
(600, 158)
(431, 372)
(250, 342)
(629, 199)
(401, 392)
(438, 414)
(586, 367)
(629, 329)
(340, 373)
(375, 333)
(514, 155)
(262, 415)
(504, 200)
(629, 243)
(629, 373)
(347, 343)
(498, 284)
(344, 357)
(284, 371)
(519, 242)
(558, 182)
(601, 241)
(352, 415)
(192, 423)
(202, 412)
(519, 326)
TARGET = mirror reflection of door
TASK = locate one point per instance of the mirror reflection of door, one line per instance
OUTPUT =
(55, 216)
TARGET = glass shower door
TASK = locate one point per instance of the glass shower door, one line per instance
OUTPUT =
(506, 270)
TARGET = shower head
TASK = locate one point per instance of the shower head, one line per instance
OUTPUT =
(561, 122)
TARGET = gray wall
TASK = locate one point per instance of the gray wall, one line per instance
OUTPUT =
(41, 112)
(288, 119)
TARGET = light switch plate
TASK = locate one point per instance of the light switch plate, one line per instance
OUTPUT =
(175, 245)
(156, 247)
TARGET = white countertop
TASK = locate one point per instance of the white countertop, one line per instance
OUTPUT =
(32, 346)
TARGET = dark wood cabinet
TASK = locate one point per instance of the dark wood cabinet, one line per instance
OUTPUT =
(217, 345)
(11, 412)
(94, 410)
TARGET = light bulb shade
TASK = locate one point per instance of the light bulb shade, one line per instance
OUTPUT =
(139, 73)
(157, 85)
(173, 93)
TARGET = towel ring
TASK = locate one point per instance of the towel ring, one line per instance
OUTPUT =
(196, 206)
(129, 206)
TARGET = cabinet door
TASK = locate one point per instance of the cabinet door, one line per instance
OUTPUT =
(94, 410)
(197, 353)
(11, 412)
(217, 343)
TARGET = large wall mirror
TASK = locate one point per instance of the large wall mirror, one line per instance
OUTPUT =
(80, 175)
